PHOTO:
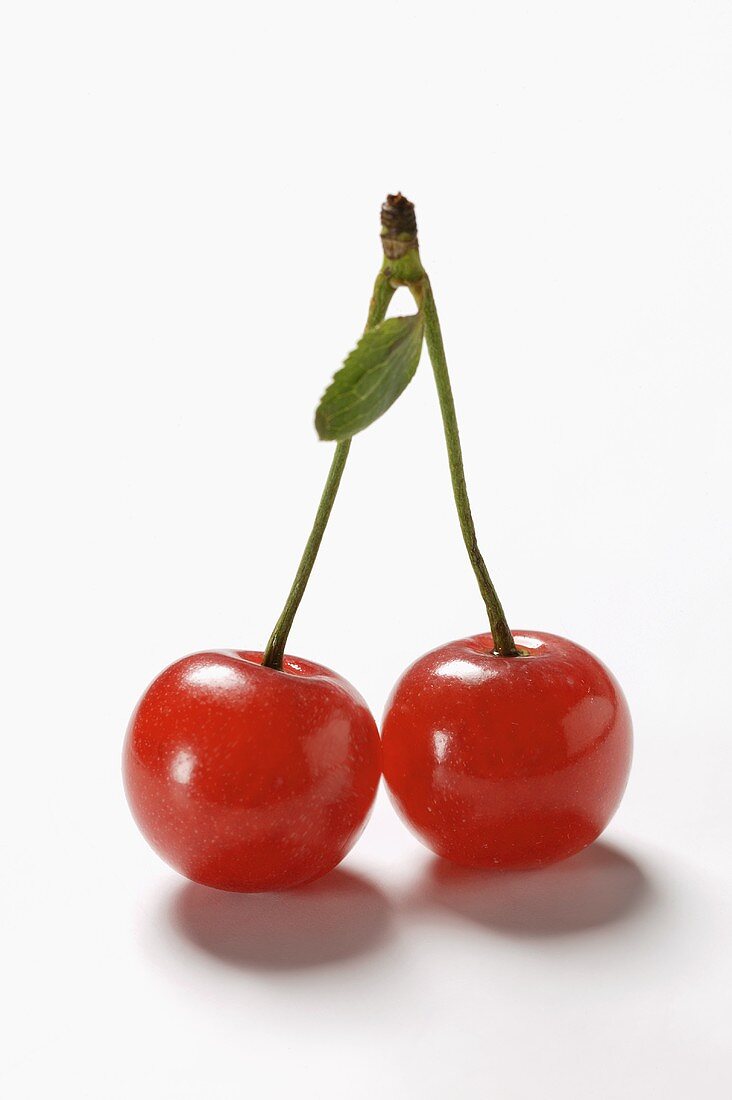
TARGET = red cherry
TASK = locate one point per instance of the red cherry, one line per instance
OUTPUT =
(507, 761)
(248, 778)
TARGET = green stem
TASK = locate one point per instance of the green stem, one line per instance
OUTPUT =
(503, 642)
(403, 265)
(275, 651)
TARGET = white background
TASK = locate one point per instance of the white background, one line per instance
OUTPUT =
(189, 217)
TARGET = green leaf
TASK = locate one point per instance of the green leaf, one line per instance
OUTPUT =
(376, 372)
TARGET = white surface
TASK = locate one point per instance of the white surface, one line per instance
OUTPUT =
(190, 200)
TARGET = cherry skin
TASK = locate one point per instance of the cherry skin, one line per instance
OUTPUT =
(507, 762)
(247, 778)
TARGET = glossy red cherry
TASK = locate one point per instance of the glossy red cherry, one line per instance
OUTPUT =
(507, 762)
(248, 778)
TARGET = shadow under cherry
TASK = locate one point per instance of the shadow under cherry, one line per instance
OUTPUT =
(597, 887)
(340, 916)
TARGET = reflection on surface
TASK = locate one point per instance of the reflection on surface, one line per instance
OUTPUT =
(464, 670)
(335, 918)
(212, 675)
(182, 765)
(527, 642)
(600, 885)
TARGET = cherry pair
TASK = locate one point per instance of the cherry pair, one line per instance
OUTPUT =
(256, 771)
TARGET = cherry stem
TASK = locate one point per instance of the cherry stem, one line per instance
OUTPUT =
(503, 643)
(275, 650)
(403, 266)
